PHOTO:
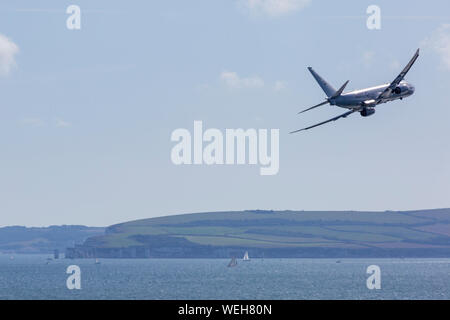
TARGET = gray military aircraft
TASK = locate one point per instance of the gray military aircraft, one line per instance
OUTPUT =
(363, 101)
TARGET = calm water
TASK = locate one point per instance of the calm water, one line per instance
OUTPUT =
(29, 277)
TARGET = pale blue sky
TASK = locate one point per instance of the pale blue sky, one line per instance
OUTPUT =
(86, 116)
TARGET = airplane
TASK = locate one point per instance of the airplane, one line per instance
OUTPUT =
(363, 101)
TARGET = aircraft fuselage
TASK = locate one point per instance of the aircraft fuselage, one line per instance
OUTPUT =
(357, 98)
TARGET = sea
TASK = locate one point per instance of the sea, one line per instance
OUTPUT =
(41, 277)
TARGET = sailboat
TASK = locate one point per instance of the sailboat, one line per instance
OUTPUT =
(246, 258)
(233, 262)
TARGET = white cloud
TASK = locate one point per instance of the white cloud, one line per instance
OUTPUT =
(279, 85)
(233, 80)
(368, 58)
(273, 8)
(395, 65)
(8, 50)
(439, 42)
(62, 124)
(33, 122)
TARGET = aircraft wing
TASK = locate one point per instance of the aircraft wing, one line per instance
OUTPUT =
(344, 115)
(387, 92)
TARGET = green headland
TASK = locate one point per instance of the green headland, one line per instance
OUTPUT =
(422, 233)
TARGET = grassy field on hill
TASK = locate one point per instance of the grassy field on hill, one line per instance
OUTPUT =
(286, 229)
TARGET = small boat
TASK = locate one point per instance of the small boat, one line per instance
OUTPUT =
(246, 258)
(232, 263)
(96, 261)
(338, 261)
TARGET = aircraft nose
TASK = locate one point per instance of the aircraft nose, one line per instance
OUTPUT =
(412, 89)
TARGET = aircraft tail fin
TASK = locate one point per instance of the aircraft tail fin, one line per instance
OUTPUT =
(326, 87)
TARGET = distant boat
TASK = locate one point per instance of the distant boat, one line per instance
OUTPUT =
(233, 262)
(338, 261)
(96, 261)
(246, 258)
(11, 258)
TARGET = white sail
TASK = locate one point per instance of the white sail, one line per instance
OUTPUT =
(246, 258)
(232, 263)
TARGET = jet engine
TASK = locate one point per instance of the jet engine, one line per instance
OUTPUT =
(367, 112)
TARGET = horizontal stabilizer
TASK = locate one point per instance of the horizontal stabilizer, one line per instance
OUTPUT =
(341, 89)
(317, 105)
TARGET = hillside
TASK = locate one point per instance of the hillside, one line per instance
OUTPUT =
(17, 239)
(276, 233)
